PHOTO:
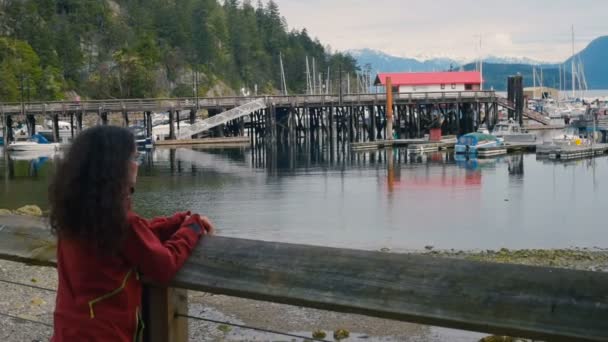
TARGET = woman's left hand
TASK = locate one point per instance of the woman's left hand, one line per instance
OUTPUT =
(207, 225)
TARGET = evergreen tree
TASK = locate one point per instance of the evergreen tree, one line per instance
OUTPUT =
(146, 48)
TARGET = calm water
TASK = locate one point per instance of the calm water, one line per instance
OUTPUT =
(359, 201)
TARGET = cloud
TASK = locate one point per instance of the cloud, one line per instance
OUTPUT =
(538, 29)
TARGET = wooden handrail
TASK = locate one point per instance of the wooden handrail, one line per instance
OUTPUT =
(160, 104)
(536, 302)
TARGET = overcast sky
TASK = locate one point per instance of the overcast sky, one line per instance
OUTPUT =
(538, 29)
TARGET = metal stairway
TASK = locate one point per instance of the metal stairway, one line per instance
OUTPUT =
(530, 114)
(222, 118)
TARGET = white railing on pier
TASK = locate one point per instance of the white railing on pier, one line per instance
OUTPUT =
(222, 118)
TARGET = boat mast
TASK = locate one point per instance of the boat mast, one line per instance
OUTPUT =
(572, 63)
(480, 64)
(533, 81)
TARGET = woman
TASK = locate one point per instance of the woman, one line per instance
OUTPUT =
(103, 247)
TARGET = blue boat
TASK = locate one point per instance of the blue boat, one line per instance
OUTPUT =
(469, 143)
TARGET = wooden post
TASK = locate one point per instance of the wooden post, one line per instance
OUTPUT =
(72, 124)
(104, 118)
(161, 307)
(458, 119)
(125, 118)
(31, 124)
(171, 126)
(79, 121)
(418, 118)
(149, 124)
(8, 127)
(177, 112)
(192, 116)
(389, 109)
(372, 123)
(56, 127)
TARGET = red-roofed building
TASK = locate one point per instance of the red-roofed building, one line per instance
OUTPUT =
(412, 82)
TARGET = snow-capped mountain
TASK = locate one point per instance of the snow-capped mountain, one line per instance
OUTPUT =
(380, 61)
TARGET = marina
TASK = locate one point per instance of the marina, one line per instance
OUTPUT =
(209, 170)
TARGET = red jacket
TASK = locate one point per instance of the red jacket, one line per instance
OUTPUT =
(99, 296)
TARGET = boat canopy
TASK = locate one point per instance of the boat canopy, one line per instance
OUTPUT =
(473, 139)
(39, 139)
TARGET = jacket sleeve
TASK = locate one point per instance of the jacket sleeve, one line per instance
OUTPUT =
(165, 227)
(156, 259)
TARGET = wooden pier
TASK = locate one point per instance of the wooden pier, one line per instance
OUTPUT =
(339, 119)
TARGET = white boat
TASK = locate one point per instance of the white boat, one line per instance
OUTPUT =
(32, 155)
(469, 143)
(35, 143)
(510, 132)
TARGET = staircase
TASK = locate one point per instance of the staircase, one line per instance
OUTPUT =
(530, 114)
(222, 118)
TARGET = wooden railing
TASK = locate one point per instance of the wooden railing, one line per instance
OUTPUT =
(536, 302)
(165, 104)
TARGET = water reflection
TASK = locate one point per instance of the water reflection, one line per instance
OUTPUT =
(369, 200)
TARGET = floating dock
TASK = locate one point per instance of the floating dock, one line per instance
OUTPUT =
(577, 152)
(414, 144)
(423, 148)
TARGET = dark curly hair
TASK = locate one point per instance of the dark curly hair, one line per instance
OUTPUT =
(88, 191)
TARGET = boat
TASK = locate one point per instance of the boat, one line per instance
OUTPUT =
(32, 155)
(141, 139)
(35, 143)
(469, 143)
(161, 132)
(510, 132)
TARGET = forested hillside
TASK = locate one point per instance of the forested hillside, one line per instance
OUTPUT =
(50, 49)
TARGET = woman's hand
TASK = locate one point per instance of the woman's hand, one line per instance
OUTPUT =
(207, 225)
(203, 222)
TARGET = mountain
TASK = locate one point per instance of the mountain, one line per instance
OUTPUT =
(595, 62)
(380, 61)
(512, 60)
(496, 69)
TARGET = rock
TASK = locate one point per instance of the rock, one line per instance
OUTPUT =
(428, 248)
(29, 210)
(319, 334)
(224, 328)
(341, 334)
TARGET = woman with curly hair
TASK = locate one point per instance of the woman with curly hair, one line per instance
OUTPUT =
(103, 247)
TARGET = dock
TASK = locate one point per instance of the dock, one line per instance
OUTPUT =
(577, 152)
(422, 145)
(377, 144)
(229, 141)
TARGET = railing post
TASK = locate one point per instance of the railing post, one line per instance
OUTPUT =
(161, 305)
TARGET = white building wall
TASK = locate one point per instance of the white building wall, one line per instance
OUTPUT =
(430, 88)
